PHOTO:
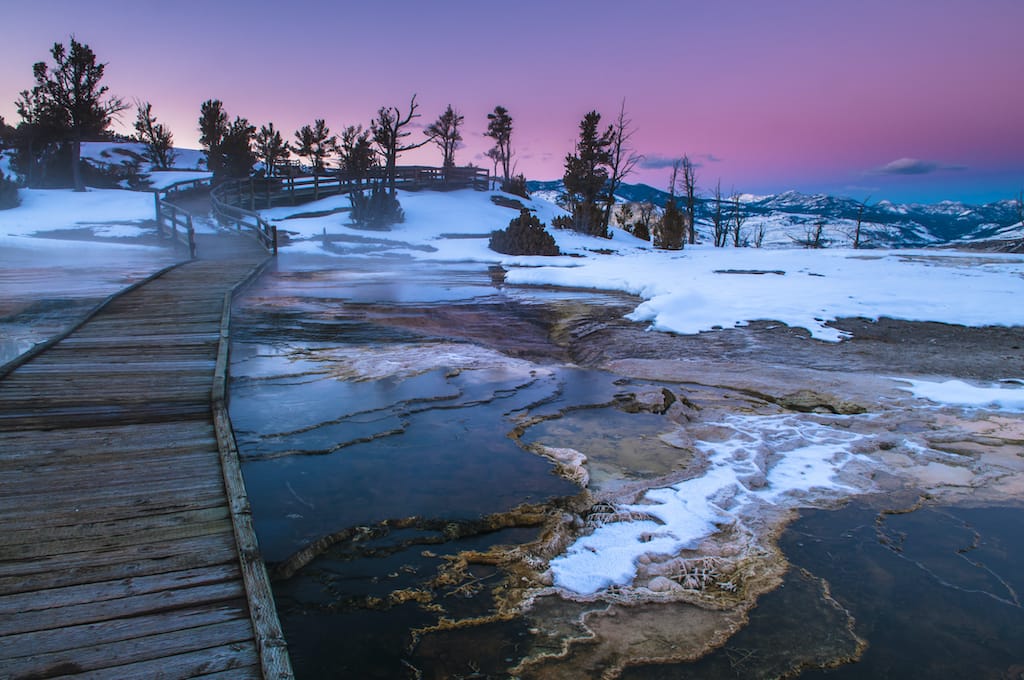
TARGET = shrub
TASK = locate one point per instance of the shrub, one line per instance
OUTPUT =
(8, 193)
(379, 210)
(562, 222)
(525, 235)
(515, 185)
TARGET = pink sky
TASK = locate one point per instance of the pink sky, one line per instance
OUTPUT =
(902, 99)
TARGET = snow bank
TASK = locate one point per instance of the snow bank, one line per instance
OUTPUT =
(47, 210)
(959, 393)
(700, 288)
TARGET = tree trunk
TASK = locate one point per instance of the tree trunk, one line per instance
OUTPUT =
(76, 163)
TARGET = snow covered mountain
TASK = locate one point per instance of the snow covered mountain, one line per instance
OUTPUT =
(791, 217)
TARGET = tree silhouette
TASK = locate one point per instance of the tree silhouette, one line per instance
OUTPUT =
(316, 143)
(156, 136)
(69, 98)
(389, 131)
(444, 132)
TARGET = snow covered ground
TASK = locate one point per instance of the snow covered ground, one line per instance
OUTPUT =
(699, 288)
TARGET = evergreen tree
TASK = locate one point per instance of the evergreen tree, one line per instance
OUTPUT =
(357, 153)
(316, 143)
(671, 233)
(271, 149)
(68, 100)
(156, 136)
(213, 127)
(499, 128)
(229, 151)
(237, 149)
(586, 176)
(444, 132)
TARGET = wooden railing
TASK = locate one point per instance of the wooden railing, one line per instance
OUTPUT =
(174, 222)
(238, 201)
(227, 200)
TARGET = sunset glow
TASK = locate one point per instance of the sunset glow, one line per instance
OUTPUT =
(918, 100)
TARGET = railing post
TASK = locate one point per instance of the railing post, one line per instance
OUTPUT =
(191, 237)
(159, 217)
(252, 194)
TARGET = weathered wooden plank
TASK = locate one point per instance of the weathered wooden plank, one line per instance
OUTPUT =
(151, 559)
(56, 571)
(19, 603)
(191, 665)
(91, 634)
(144, 533)
(88, 531)
(70, 515)
(45, 475)
(115, 655)
(116, 492)
(121, 608)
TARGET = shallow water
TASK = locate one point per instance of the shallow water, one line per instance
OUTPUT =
(368, 391)
(933, 593)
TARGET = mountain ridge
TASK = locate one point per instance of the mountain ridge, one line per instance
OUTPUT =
(791, 215)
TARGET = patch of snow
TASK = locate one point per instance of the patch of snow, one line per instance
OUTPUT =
(959, 393)
(782, 460)
(43, 210)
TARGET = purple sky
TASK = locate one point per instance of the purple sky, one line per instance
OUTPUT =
(910, 100)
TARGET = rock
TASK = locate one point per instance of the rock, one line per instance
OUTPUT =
(810, 401)
(655, 400)
(662, 584)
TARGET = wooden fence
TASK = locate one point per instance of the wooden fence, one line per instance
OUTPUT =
(173, 221)
(238, 201)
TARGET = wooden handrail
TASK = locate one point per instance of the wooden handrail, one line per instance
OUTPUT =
(239, 201)
(169, 218)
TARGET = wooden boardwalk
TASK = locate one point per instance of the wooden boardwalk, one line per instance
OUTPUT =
(126, 548)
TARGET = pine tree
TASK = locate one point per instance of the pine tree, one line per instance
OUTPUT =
(271, 149)
(586, 176)
(237, 148)
(229, 151)
(213, 127)
(316, 143)
(69, 99)
(357, 153)
(499, 128)
(671, 233)
(156, 136)
(444, 132)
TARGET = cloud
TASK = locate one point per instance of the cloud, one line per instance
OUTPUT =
(657, 161)
(913, 166)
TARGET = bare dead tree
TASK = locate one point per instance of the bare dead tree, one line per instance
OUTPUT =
(623, 160)
(388, 133)
(738, 218)
(860, 219)
(718, 222)
(690, 188)
(759, 234)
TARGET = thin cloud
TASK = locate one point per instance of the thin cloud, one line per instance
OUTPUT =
(913, 166)
(657, 161)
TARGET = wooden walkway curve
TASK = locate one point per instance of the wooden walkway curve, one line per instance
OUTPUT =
(123, 545)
